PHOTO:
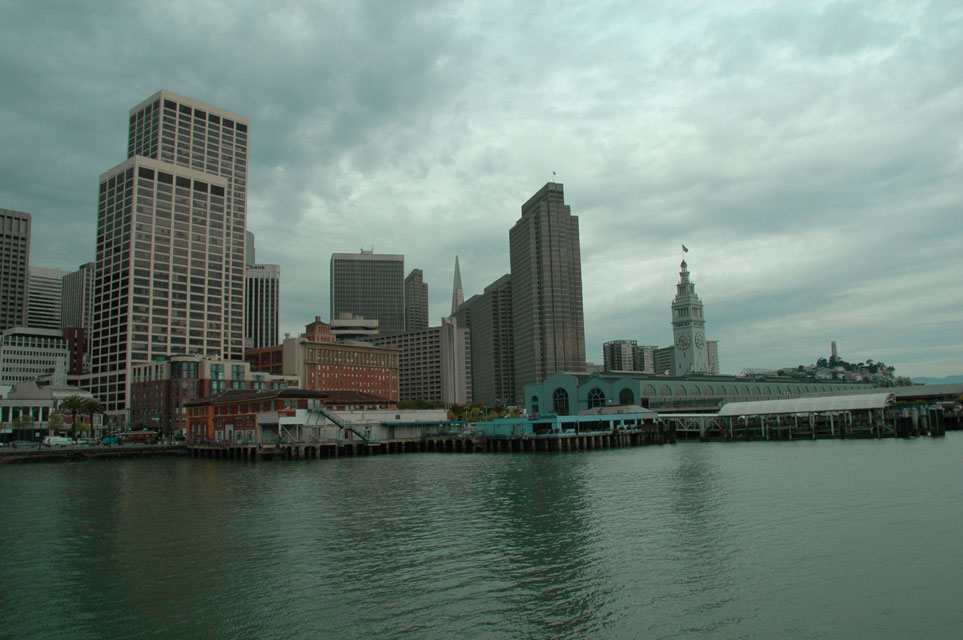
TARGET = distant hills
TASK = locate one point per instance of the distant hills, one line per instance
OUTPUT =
(946, 380)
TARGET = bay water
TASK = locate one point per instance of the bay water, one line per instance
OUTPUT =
(825, 539)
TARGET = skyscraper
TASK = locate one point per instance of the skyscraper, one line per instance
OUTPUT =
(546, 270)
(492, 349)
(45, 297)
(371, 285)
(262, 300)
(170, 242)
(617, 355)
(457, 293)
(416, 301)
(14, 263)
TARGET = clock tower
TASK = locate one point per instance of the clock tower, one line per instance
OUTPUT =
(688, 328)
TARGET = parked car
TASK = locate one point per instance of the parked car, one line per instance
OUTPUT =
(86, 441)
(57, 441)
(110, 440)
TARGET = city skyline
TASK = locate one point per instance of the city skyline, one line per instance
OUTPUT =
(807, 167)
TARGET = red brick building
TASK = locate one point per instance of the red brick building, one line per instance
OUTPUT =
(322, 364)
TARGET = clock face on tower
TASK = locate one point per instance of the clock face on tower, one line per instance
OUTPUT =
(682, 341)
(700, 340)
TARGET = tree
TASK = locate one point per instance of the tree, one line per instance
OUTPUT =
(23, 422)
(55, 423)
(74, 404)
(91, 408)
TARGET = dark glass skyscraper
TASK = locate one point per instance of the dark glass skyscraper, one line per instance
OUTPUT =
(14, 263)
(546, 280)
(370, 285)
(416, 301)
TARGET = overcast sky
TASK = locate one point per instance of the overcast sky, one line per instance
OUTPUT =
(809, 154)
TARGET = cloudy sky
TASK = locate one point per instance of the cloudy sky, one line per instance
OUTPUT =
(809, 154)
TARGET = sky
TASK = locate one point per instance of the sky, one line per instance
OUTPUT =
(808, 154)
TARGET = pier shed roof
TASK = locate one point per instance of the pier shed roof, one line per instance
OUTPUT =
(822, 404)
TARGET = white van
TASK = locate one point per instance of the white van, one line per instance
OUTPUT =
(57, 441)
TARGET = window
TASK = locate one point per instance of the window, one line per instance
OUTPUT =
(560, 401)
(596, 398)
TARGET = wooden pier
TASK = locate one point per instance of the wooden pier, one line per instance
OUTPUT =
(439, 444)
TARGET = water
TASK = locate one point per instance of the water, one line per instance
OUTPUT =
(822, 539)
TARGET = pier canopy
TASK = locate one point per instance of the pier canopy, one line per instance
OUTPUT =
(820, 404)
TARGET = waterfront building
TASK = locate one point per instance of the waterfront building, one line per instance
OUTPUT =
(170, 243)
(40, 401)
(457, 292)
(371, 285)
(567, 393)
(416, 301)
(492, 346)
(546, 270)
(162, 388)
(28, 354)
(688, 328)
(262, 305)
(45, 297)
(433, 364)
(14, 267)
(321, 363)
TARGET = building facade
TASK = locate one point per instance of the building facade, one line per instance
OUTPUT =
(319, 362)
(27, 354)
(492, 346)
(618, 355)
(45, 297)
(170, 243)
(262, 305)
(546, 270)
(14, 267)
(416, 301)
(371, 285)
(161, 389)
(434, 364)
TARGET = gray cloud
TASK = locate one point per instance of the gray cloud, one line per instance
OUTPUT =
(808, 154)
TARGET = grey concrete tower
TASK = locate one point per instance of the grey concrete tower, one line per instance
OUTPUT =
(688, 328)
(370, 285)
(457, 293)
(416, 301)
(546, 279)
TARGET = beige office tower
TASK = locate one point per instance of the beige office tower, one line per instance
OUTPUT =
(170, 243)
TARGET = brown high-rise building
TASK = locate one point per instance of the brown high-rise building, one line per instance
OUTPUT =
(546, 280)
(14, 267)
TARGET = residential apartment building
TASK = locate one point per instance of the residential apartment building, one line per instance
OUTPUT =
(492, 346)
(170, 243)
(433, 364)
(14, 267)
(546, 270)
(371, 285)
(617, 355)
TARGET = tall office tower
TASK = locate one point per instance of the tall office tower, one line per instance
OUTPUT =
(416, 301)
(77, 302)
(370, 285)
(617, 355)
(77, 316)
(546, 268)
(45, 297)
(688, 328)
(170, 242)
(492, 351)
(14, 263)
(249, 248)
(457, 293)
(262, 300)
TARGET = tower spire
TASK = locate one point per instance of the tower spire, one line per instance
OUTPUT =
(457, 294)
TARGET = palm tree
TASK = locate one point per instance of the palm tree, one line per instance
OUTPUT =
(91, 408)
(74, 404)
